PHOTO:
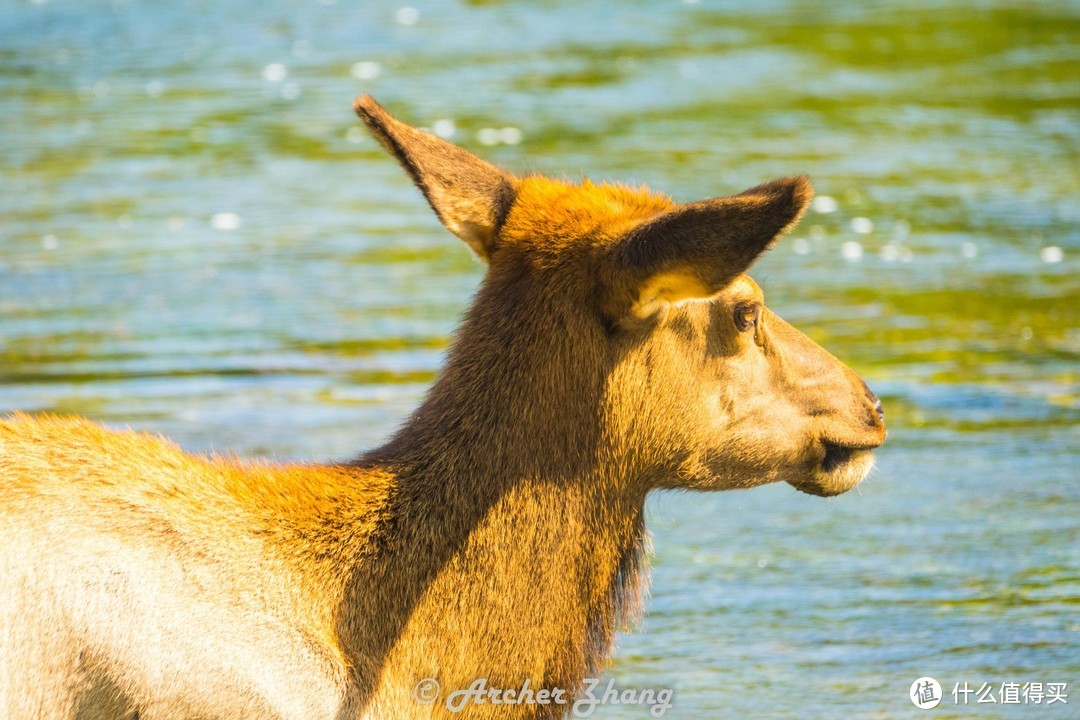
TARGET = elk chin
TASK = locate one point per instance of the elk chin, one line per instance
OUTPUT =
(841, 469)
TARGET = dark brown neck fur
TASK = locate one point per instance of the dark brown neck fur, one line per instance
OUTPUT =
(502, 488)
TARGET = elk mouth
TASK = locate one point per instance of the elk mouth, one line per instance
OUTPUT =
(836, 456)
(840, 468)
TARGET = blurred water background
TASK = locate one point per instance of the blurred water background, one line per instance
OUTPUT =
(197, 239)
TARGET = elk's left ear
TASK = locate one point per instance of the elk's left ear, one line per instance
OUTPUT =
(695, 250)
(470, 197)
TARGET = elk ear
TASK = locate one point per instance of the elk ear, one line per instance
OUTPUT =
(693, 251)
(470, 197)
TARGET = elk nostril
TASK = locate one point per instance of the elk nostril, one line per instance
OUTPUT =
(875, 401)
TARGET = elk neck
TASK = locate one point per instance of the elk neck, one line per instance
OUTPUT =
(506, 505)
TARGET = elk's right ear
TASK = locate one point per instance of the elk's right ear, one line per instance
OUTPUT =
(693, 251)
(469, 196)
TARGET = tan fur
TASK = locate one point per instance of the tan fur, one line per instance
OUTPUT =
(497, 535)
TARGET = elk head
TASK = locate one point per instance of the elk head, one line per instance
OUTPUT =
(617, 324)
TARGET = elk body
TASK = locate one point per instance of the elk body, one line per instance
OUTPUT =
(615, 346)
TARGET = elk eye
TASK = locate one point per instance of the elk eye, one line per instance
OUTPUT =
(747, 315)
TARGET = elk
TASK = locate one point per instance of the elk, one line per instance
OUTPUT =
(615, 346)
